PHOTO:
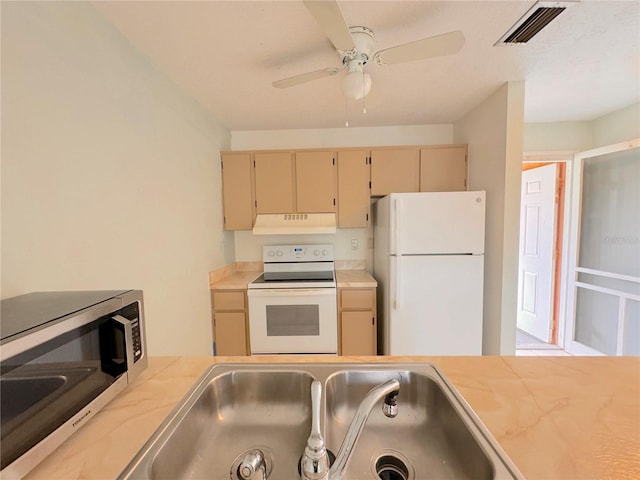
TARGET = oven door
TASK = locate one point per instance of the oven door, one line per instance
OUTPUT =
(298, 321)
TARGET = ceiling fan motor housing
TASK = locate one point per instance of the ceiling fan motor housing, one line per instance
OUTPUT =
(363, 39)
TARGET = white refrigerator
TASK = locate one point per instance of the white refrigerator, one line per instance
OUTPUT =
(429, 264)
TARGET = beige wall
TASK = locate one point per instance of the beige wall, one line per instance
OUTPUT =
(343, 137)
(249, 247)
(110, 174)
(557, 136)
(494, 132)
(618, 126)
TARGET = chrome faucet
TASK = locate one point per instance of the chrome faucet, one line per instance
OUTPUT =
(315, 460)
(253, 466)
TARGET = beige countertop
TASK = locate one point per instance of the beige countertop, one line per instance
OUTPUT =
(355, 279)
(237, 280)
(556, 417)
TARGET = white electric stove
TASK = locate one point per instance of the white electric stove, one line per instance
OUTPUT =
(292, 305)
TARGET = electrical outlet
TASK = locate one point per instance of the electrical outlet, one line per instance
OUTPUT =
(354, 244)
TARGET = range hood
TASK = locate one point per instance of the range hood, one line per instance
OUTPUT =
(294, 223)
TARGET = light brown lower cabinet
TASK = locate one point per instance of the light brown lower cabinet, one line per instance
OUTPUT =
(230, 320)
(357, 322)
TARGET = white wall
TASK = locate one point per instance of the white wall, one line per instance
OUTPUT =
(494, 133)
(248, 247)
(110, 174)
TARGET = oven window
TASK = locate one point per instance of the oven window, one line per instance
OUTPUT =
(293, 320)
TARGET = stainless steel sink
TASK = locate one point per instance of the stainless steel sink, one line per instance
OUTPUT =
(228, 414)
(431, 437)
(235, 408)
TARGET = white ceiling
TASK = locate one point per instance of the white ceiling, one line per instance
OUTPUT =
(226, 54)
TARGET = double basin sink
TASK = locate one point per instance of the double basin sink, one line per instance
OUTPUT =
(234, 409)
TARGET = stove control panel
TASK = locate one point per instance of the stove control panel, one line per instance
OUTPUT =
(298, 253)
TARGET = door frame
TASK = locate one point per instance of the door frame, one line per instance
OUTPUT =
(571, 276)
(561, 245)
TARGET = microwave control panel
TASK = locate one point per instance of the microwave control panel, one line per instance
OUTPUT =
(132, 313)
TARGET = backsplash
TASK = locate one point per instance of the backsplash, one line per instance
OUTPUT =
(248, 247)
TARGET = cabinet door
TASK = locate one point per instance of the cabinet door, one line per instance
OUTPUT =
(443, 169)
(358, 333)
(353, 189)
(237, 192)
(315, 182)
(230, 333)
(274, 182)
(395, 171)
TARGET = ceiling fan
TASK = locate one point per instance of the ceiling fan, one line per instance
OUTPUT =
(355, 47)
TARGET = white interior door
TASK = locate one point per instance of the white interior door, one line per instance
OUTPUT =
(537, 234)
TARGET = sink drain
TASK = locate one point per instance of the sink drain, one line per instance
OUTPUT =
(392, 466)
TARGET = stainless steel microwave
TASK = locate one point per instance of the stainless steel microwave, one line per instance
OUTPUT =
(63, 356)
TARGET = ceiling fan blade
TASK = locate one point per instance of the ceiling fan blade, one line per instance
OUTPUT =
(445, 44)
(305, 77)
(328, 15)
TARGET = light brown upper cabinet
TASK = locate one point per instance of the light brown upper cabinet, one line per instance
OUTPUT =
(395, 171)
(274, 182)
(353, 189)
(237, 191)
(315, 182)
(443, 168)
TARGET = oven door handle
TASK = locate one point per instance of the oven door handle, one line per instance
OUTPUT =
(290, 292)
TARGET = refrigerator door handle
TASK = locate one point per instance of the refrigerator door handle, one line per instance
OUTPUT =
(398, 282)
(396, 205)
(393, 283)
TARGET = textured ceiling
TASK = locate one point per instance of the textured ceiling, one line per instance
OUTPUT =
(226, 54)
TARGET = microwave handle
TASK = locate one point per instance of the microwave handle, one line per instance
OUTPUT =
(128, 338)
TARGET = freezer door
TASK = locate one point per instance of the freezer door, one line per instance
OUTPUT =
(435, 305)
(437, 223)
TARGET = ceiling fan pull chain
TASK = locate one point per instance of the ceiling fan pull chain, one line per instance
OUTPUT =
(346, 111)
(364, 96)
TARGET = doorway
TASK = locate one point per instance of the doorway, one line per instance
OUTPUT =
(542, 217)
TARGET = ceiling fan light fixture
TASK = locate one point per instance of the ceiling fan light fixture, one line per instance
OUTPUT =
(356, 84)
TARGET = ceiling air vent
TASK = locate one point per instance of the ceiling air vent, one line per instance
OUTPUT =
(538, 17)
